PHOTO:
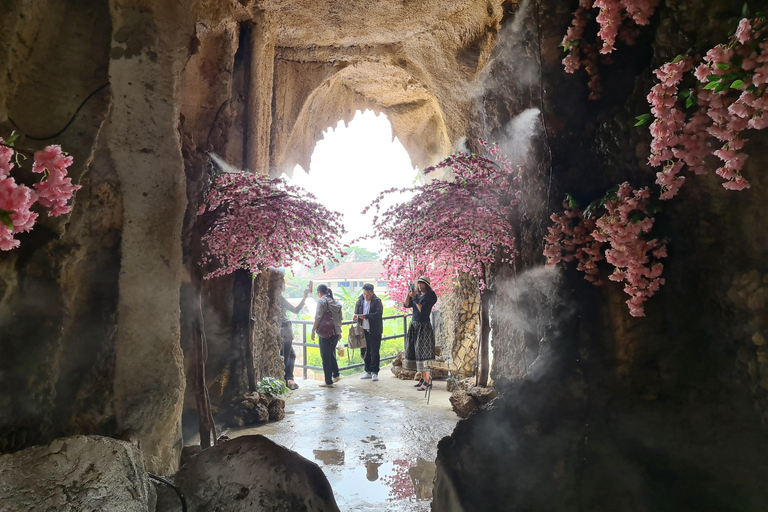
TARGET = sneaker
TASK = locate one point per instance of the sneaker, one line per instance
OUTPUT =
(336, 379)
(375, 377)
(324, 385)
(366, 375)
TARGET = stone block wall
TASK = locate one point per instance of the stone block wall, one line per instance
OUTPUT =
(457, 331)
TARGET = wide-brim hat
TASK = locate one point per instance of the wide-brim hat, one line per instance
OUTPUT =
(425, 280)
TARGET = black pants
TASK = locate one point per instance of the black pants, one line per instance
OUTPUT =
(289, 358)
(370, 353)
(328, 355)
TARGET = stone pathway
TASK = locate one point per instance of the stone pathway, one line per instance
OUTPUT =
(375, 441)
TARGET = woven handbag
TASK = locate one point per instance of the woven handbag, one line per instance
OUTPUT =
(356, 337)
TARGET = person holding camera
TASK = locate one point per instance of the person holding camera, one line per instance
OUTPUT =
(368, 314)
(420, 341)
(328, 326)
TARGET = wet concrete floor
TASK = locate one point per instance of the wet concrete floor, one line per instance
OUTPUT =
(375, 441)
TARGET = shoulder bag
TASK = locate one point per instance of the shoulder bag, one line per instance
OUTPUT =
(326, 329)
(356, 337)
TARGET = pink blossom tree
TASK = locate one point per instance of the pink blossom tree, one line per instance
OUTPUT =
(452, 226)
(52, 192)
(254, 222)
(250, 221)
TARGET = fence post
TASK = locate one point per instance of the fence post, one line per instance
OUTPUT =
(304, 349)
(405, 329)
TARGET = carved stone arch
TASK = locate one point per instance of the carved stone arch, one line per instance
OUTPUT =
(414, 112)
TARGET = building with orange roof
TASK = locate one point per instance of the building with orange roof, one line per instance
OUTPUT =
(353, 275)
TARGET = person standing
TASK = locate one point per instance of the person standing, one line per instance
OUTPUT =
(420, 341)
(286, 333)
(368, 314)
(326, 304)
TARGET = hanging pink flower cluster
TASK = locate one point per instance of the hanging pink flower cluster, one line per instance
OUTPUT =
(729, 96)
(570, 237)
(450, 226)
(16, 200)
(625, 228)
(616, 19)
(255, 222)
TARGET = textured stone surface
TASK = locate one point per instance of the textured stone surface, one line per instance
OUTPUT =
(148, 52)
(463, 403)
(74, 474)
(602, 411)
(250, 473)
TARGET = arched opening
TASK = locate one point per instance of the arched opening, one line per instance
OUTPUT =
(415, 114)
(376, 441)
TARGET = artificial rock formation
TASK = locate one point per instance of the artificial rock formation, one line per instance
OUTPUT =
(249, 473)
(75, 473)
(600, 410)
(612, 412)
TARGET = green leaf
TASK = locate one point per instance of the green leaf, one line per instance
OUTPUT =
(10, 140)
(711, 85)
(722, 65)
(5, 218)
(721, 86)
(685, 93)
(745, 11)
(689, 102)
(713, 78)
(737, 83)
(571, 201)
(642, 119)
(677, 59)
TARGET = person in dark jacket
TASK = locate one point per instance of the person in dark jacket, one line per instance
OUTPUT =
(420, 341)
(368, 314)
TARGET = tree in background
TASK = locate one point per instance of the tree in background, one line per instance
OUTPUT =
(249, 221)
(454, 226)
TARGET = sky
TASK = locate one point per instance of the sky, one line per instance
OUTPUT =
(351, 165)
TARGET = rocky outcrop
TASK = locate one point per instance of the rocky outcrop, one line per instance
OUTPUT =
(600, 410)
(249, 473)
(254, 408)
(75, 473)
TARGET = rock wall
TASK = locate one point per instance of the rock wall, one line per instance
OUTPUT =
(600, 410)
(459, 324)
(58, 292)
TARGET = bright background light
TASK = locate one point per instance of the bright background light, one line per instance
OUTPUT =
(351, 165)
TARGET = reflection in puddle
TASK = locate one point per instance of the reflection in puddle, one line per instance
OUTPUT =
(411, 479)
(400, 481)
(330, 457)
(372, 471)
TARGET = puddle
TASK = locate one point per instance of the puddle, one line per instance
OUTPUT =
(403, 484)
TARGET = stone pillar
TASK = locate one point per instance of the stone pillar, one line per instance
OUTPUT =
(261, 79)
(148, 49)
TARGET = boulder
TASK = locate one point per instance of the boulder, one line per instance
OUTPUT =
(277, 410)
(75, 473)
(482, 394)
(463, 403)
(249, 473)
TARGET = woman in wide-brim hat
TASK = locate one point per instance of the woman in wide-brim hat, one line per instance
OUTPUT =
(420, 341)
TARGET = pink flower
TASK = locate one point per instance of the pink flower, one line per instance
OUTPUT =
(744, 31)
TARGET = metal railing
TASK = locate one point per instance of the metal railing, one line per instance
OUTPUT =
(304, 323)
